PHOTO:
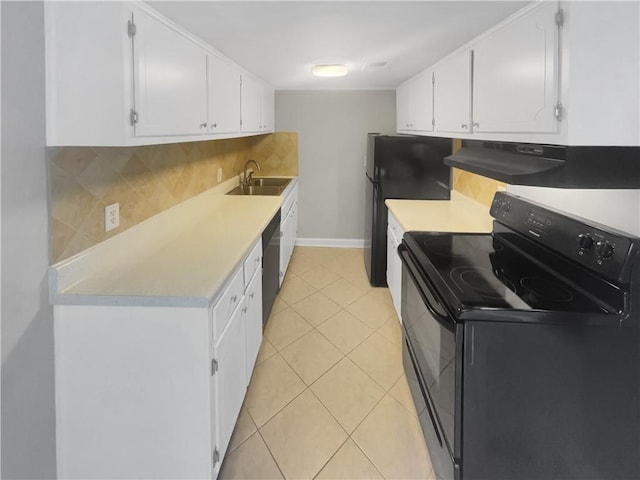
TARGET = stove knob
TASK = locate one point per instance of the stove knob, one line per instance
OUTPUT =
(585, 241)
(604, 250)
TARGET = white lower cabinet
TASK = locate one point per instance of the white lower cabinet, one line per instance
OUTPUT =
(394, 264)
(230, 376)
(288, 229)
(253, 299)
(154, 392)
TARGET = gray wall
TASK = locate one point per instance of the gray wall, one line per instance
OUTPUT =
(28, 420)
(332, 127)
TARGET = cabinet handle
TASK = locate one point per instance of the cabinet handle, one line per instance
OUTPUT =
(213, 125)
(252, 295)
(234, 298)
(244, 310)
(203, 125)
(464, 125)
(475, 124)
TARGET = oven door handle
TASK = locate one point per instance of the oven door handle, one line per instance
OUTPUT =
(423, 287)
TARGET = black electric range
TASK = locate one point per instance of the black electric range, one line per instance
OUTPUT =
(522, 347)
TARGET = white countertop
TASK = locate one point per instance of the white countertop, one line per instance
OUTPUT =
(181, 257)
(459, 214)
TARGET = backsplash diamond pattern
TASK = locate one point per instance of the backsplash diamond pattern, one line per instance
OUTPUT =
(146, 180)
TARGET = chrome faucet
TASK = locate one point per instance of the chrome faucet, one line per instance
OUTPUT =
(247, 177)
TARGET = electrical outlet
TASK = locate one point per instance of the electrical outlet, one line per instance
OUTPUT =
(111, 216)
(219, 174)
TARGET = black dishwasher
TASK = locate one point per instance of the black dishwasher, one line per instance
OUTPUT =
(270, 265)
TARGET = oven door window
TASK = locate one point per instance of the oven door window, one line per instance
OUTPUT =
(433, 341)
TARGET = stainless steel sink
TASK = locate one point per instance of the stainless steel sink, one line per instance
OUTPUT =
(262, 186)
(269, 182)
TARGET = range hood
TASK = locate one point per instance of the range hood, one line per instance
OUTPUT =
(550, 165)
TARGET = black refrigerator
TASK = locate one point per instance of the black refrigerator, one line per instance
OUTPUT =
(404, 167)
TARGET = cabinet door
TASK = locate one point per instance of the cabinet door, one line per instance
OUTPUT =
(294, 226)
(285, 229)
(394, 271)
(515, 72)
(414, 104)
(253, 297)
(251, 105)
(421, 106)
(452, 94)
(403, 106)
(170, 80)
(268, 109)
(213, 398)
(230, 353)
(224, 96)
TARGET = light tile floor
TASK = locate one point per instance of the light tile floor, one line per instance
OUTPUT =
(328, 398)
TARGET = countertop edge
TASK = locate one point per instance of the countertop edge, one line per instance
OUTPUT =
(60, 296)
(465, 214)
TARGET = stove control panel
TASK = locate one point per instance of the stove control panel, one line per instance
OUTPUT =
(500, 207)
(539, 221)
(585, 241)
(596, 247)
(605, 250)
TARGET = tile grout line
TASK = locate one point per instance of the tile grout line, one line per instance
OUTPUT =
(344, 355)
(272, 455)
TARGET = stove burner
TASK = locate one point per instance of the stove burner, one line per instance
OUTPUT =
(477, 279)
(546, 289)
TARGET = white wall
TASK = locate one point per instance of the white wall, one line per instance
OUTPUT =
(615, 208)
(28, 420)
(332, 128)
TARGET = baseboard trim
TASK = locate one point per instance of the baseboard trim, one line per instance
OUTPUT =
(330, 242)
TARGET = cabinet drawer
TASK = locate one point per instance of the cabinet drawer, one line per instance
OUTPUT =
(227, 303)
(252, 263)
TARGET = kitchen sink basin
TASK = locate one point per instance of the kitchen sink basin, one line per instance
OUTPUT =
(269, 182)
(262, 186)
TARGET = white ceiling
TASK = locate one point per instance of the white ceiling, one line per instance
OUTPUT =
(279, 41)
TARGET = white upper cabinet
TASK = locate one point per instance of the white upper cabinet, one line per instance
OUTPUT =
(224, 96)
(563, 73)
(257, 109)
(268, 108)
(170, 72)
(515, 75)
(251, 100)
(452, 94)
(403, 106)
(414, 104)
(119, 73)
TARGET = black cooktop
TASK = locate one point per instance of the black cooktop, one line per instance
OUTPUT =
(480, 271)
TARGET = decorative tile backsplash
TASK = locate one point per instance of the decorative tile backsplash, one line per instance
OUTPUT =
(147, 180)
(479, 188)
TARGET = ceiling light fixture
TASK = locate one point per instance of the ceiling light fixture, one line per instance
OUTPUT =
(335, 70)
